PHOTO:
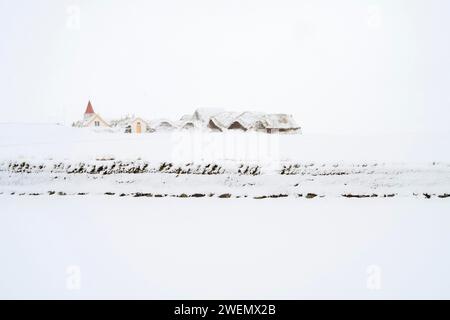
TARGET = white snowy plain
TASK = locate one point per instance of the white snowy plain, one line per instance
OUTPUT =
(126, 247)
(47, 141)
(404, 165)
(224, 248)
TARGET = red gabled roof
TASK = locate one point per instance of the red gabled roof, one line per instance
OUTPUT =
(89, 108)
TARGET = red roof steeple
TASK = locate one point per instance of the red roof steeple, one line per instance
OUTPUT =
(89, 109)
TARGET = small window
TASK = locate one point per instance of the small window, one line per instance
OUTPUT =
(97, 123)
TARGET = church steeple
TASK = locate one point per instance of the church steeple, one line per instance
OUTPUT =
(89, 110)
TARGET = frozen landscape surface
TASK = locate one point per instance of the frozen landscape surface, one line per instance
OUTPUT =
(213, 248)
(52, 159)
(75, 199)
(47, 141)
(224, 179)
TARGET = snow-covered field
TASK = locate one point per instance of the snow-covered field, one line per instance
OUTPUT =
(235, 248)
(224, 180)
(50, 159)
(62, 237)
(46, 141)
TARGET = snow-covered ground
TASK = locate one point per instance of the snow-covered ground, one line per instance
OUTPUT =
(235, 248)
(46, 141)
(50, 159)
(225, 180)
(62, 237)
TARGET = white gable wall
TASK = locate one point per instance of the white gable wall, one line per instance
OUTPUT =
(96, 121)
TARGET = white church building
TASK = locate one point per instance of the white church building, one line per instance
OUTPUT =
(91, 119)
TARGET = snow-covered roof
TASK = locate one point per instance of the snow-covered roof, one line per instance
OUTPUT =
(212, 118)
(126, 121)
(248, 119)
(86, 120)
(184, 124)
(187, 117)
(224, 119)
(155, 123)
(204, 114)
(280, 121)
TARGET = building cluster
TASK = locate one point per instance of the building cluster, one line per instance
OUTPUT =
(215, 120)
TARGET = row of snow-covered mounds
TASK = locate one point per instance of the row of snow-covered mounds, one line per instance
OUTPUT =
(107, 167)
(140, 178)
(111, 166)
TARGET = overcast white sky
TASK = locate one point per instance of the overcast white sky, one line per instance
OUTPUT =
(349, 66)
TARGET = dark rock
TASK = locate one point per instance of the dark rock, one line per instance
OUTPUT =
(356, 195)
(140, 194)
(197, 195)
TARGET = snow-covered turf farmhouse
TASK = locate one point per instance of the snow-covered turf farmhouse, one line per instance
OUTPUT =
(100, 213)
